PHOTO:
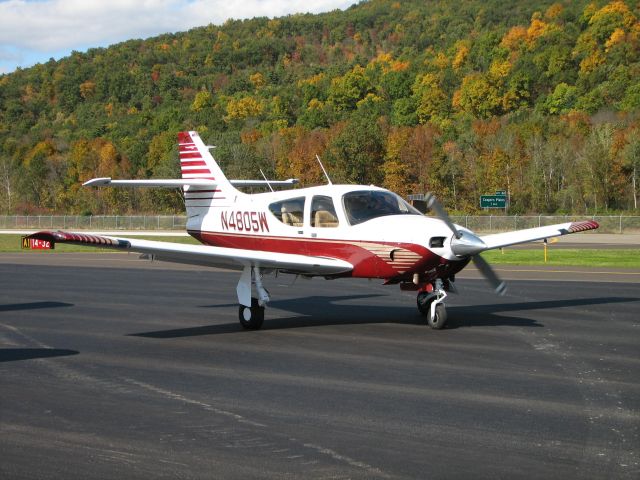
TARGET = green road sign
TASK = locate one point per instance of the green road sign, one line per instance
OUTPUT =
(493, 201)
(501, 192)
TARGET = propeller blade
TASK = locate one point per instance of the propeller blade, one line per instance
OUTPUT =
(490, 274)
(434, 204)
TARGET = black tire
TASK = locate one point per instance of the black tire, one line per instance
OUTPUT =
(439, 320)
(255, 314)
(424, 301)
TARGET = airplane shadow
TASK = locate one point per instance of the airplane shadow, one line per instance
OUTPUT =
(14, 354)
(484, 315)
(12, 307)
(312, 301)
(323, 311)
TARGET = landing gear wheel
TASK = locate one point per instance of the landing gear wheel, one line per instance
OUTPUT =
(252, 317)
(438, 320)
(424, 301)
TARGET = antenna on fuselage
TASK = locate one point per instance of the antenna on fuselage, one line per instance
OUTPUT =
(323, 170)
(265, 179)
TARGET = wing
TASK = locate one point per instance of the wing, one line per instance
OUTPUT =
(506, 239)
(204, 255)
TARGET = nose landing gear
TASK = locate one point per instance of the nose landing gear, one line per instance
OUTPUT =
(430, 302)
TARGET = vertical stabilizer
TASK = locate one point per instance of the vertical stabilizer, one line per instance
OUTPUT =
(196, 162)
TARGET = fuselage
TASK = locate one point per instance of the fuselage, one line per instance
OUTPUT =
(371, 228)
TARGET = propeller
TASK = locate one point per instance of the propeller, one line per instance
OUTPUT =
(466, 244)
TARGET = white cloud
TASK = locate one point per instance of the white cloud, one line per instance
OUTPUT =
(47, 26)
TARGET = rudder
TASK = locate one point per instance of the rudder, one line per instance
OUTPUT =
(196, 162)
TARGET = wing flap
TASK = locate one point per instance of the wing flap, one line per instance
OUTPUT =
(204, 255)
(499, 240)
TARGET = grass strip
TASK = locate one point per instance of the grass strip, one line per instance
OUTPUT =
(588, 257)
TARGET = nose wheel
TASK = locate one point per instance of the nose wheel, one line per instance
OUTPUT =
(438, 320)
(431, 305)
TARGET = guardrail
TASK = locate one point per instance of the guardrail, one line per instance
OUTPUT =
(477, 223)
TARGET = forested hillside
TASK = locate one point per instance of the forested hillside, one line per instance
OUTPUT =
(461, 98)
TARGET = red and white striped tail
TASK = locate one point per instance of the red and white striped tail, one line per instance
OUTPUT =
(196, 162)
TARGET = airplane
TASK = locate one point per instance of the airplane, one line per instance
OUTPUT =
(328, 231)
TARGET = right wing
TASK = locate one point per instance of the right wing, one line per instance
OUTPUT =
(506, 239)
(204, 255)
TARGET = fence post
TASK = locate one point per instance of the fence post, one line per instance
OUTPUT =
(490, 223)
(620, 223)
(539, 221)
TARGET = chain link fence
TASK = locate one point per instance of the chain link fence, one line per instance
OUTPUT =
(504, 223)
(477, 223)
(93, 222)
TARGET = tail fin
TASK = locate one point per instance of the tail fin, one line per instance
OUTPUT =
(196, 162)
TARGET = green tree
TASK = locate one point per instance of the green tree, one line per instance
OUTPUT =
(358, 152)
(478, 97)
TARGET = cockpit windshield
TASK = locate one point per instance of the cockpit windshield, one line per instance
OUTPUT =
(364, 205)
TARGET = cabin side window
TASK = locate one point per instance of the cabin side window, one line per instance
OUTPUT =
(323, 213)
(290, 211)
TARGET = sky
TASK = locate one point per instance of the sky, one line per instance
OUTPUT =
(33, 31)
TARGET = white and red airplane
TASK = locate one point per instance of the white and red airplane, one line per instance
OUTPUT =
(329, 231)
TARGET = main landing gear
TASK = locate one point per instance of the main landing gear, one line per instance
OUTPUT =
(251, 310)
(430, 302)
(251, 317)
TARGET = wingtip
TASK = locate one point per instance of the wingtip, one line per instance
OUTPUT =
(583, 226)
(97, 182)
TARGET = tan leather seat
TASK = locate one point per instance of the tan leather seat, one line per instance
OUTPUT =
(322, 218)
(290, 216)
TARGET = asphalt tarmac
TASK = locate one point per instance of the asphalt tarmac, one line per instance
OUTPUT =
(111, 367)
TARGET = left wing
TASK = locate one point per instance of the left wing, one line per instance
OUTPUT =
(499, 240)
(203, 254)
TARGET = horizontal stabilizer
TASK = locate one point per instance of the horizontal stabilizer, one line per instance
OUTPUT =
(169, 183)
(264, 183)
(183, 182)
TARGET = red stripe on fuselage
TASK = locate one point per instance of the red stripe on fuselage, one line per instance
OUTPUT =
(366, 264)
